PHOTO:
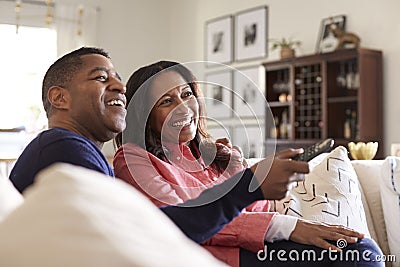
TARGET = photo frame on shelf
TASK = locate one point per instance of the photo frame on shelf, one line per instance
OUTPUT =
(249, 92)
(219, 40)
(251, 34)
(326, 40)
(218, 94)
(250, 139)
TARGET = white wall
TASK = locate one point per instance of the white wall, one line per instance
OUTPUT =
(138, 32)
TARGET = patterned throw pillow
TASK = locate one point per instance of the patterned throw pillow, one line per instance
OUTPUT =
(330, 193)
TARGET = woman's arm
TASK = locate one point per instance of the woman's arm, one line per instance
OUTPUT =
(201, 218)
(133, 165)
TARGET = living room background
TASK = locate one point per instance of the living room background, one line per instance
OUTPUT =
(138, 32)
(174, 29)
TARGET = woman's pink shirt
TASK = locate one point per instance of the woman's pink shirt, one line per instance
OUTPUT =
(184, 178)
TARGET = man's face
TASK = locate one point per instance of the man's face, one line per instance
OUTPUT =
(97, 106)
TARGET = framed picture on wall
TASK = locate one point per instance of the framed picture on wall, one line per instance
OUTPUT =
(327, 42)
(251, 34)
(219, 41)
(220, 131)
(250, 139)
(218, 94)
(249, 88)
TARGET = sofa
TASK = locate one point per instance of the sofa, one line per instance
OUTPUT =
(68, 218)
(373, 178)
(379, 190)
(73, 216)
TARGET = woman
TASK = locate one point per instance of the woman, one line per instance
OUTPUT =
(170, 157)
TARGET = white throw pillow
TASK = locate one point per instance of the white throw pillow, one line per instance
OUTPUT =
(330, 193)
(77, 217)
(390, 195)
(10, 198)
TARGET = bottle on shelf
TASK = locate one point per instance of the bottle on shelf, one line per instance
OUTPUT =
(274, 131)
(353, 125)
(347, 125)
(283, 127)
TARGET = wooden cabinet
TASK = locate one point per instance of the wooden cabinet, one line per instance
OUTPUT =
(337, 95)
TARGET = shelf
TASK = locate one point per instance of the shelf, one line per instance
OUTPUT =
(342, 99)
(279, 104)
(326, 99)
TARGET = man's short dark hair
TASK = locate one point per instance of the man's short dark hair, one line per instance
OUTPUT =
(61, 72)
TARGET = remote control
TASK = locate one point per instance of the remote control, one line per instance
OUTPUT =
(316, 149)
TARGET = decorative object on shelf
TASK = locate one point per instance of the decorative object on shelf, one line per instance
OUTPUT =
(284, 126)
(218, 94)
(348, 76)
(219, 40)
(347, 125)
(251, 31)
(287, 46)
(363, 150)
(248, 98)
(327, 42)
(345, 39)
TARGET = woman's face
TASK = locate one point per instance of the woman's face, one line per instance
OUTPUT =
(176, 110)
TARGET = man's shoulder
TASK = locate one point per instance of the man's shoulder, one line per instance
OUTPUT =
(63, 138)
(56, 134)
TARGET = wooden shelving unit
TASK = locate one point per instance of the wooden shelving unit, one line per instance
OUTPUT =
(337, 95)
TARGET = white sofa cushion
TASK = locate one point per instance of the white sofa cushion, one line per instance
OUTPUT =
(77, 217)
(330, 193)
(390, 195)
(10, 198)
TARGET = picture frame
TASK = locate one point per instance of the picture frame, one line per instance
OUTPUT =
(218, 94)
(251, 34)
(249, 92)
(326, 40)
(250, 138)
(220, 131)
(219, 40)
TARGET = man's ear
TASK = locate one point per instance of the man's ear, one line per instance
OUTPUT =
(59, 97)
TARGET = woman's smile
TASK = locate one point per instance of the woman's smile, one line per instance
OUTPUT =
(175, 113)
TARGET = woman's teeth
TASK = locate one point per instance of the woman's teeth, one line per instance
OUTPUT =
(181, 123)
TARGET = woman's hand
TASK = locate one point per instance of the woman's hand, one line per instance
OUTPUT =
(236, 152)
(224, 141)
(288, 153)
(276, 175)
(317, 234)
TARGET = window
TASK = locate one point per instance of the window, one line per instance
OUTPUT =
(25, 57)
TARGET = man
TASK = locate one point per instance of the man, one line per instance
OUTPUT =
(85, 104)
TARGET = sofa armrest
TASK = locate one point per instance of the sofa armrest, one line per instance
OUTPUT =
(369, 176)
